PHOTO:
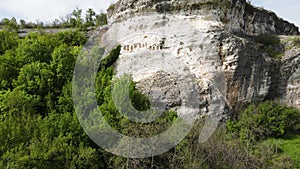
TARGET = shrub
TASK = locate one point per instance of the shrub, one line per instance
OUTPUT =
(268, 40)
(296, 41)
(268, 119)
(72, 38)
(111, 7)
(271, 44)
(8, 40)
(111, 58)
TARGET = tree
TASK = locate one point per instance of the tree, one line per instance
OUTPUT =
(65, 101)
(63, 62)
(5, 21)
(36, 47)
(36, 79)
(10, 25)
(8, 69)
(72, 38)
(267, 119)
(56, 23)
(23, 23)
(101, 19)
(55, 141)
(77, 20)
(8, 40)
(90, 17)
(18, 101)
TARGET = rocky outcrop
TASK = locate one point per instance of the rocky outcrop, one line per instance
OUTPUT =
(237, 15)
(214, 46)
(260, 21)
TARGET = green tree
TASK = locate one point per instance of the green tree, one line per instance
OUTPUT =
(36, 47)
(55, 141)
(72, 38)
(8, 69)
(65, 101)
(18, 101)
(5, 21)
(36, 79)
(8, 40)
(23, 23)
(101, 19)
(76, 20)
(268, 119)
(63, 62)
(11, 25)
(90, 17)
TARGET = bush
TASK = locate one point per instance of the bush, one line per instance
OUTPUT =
(296, 41)
(8, 40)
(268, 40)
(271, 44)
(268, 119)
(111, 58)
(72, 38)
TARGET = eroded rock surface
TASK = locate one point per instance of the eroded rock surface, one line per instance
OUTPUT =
(212, 42)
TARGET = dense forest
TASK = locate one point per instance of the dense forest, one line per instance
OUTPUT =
(39, 128)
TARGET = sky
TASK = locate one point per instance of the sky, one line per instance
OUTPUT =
(48, 10)
(286, 9)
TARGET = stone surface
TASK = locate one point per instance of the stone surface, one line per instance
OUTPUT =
(210, 46)
(236, 15)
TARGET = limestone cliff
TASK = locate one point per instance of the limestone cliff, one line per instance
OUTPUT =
(229, 48)
(236, 15)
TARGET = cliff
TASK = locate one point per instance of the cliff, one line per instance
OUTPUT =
(228, 52)
(236, 15)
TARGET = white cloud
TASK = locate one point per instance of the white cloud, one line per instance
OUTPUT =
(47, 10)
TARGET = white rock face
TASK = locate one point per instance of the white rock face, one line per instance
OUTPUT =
(200, 49)
(293, 90)
(176, 45)
(237, 15)
(291, 69)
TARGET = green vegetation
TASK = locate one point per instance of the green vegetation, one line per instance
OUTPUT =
(296, 41)
(123, 85)
(288, 147)
(37, 124)
(291, 147)
(270, 45)
(73, 20)
(109, 60)
(270, 128)
(268, 119)
(111, 7)
(39, 128)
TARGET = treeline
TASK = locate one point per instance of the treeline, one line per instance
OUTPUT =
(73, 20)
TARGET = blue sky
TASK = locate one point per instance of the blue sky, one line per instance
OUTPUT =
(48, 10)
(286, 9)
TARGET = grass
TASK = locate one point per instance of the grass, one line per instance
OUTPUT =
(296, 41)
(290, 147)
(291, 42)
